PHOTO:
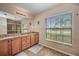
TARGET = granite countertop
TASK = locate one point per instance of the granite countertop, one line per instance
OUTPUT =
(9, 36)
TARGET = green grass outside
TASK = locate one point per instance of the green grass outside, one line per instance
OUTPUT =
(53, 35)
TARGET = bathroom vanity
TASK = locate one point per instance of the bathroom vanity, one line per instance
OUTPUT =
(15, 43)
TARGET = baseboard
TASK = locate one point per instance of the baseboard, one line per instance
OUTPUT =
(58, 50)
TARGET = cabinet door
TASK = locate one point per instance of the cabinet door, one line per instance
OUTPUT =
(32, 40)
(24, 43)
(3, 47)
(9, 47)
(16, 45)
(28, 41)
(37, 39)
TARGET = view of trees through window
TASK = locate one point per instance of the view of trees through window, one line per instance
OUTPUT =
(59, 28)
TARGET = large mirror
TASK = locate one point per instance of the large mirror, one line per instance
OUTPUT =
(10, 24)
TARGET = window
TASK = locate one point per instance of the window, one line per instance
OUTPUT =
(59, 28)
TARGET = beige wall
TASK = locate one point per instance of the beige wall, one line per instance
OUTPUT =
(63, 8)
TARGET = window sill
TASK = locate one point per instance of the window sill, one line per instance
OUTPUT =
(60, 42)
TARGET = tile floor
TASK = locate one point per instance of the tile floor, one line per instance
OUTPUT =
(39, 50)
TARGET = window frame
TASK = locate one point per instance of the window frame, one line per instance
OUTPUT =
(69, 44)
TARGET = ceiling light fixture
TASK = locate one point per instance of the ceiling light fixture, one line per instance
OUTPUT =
(18, 13)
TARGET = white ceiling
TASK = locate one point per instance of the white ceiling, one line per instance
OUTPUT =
(35, 8)
(9, 16)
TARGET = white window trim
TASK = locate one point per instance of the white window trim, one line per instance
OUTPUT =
(60, 42)
(68, 44)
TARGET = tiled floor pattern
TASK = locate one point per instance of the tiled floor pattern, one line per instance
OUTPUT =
(39, 50)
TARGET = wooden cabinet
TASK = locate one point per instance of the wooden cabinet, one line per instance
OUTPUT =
(28, 42)
(37, 38)
(25, 42)
(15, 45)
(32, 40)
(9, 47)
(4, 48)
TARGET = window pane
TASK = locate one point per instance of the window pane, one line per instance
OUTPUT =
(66, 20)
(53, 34)
(59, 28)
(66, 28)
(48, 34)
(59, 35)
(66, 35)
(55, 23)
(48, 23)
